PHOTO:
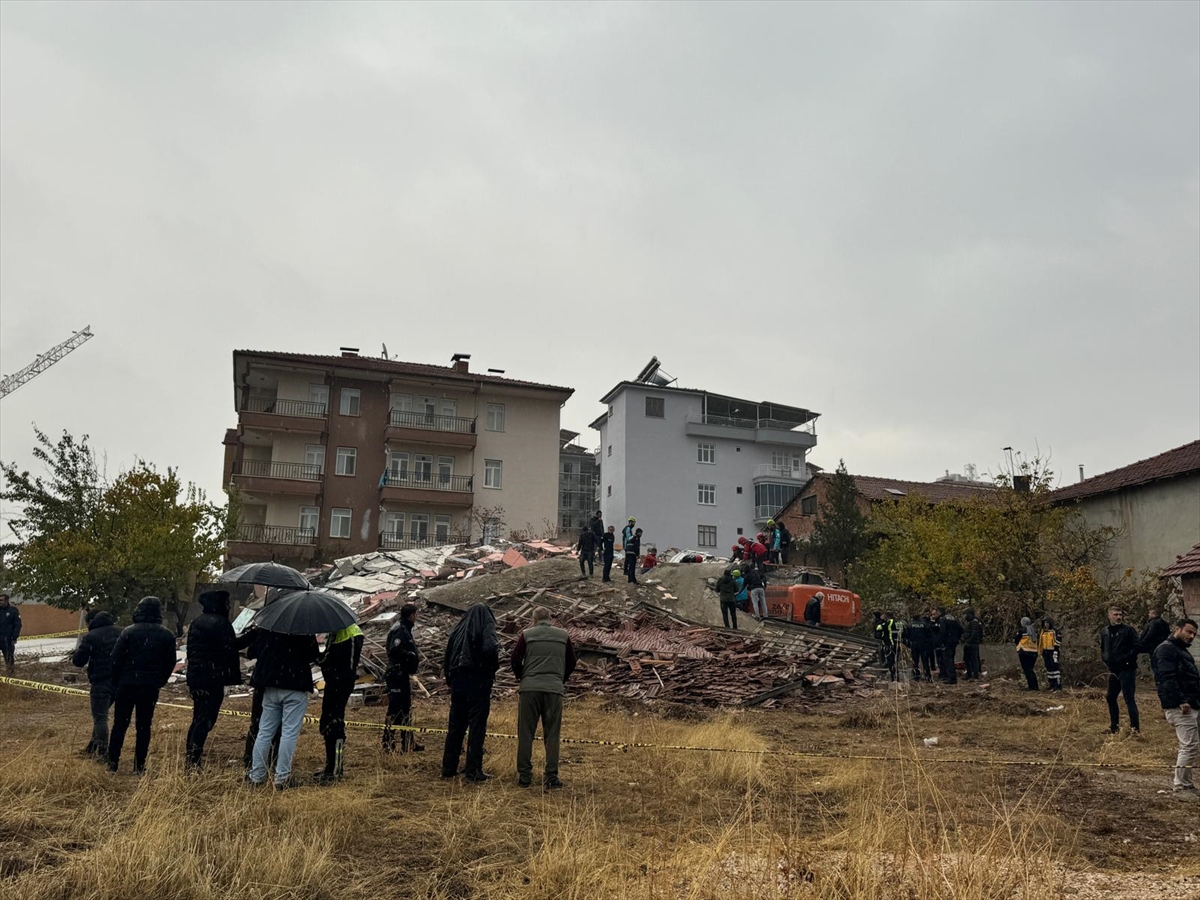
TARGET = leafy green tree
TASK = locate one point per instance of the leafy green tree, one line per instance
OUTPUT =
(840, 535)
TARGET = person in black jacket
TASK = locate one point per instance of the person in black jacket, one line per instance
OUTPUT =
(212, 663)
(1119, 650)
(95, 651)
(587, 552)
(607, 552)
(142, 660)
(339, 666)
(1178, 683)
(949, 633)
(812, 609)
(1154, 633)
(597, 526)
(919, 638)
(10, 630)
(972, 638)
(403, 661)
(283, 673)
(469, 665)
(633, 549)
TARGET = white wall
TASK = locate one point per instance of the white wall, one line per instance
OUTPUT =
(1157, 521)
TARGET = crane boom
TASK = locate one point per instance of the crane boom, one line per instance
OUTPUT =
(10, 383)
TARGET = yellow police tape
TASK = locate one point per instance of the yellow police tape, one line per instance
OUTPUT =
(625, 746)
(42, 637)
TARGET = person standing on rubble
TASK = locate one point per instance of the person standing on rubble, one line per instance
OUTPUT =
(339, 665)
(627, 531)
(756, 584)
(597, 526)
(469, 665)
(893, 629)
(95, 651)
(142, 660)
(727, 590)
(812, 609)
(607, 551)
(633, 548)
(587, 552)
(212, 663)
(403, 661)
(972, 639)
(543, 659)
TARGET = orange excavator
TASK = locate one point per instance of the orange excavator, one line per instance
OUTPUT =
(840, 608)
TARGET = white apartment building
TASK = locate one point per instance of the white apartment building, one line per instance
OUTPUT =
(698, 469)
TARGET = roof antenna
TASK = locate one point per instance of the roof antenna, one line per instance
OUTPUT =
(385, 356)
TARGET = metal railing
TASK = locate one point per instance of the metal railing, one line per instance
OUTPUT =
(766, 512)
(275, 534)
(403, 418)
(302, 408)
(733, 422)
(259, 468)
(784, 473)
(399, 540)
(429, 481)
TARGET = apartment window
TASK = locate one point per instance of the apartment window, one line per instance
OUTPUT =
(779, 461)
(770, 498)
(808, 506)
(739, 531)
(739, 489)
(314, 455)
(706, 535)
(445, 470)
(655, 407)
(402, 402)
(350, 401)
(419, 526)
(422, 468)
(706, 453)
(491, 531)
(441, 528)
(495, 417)
(707, 494)
(449, 408)
(393, 523)
(339, 523)
(610, 490)
(310, 516)
(493, 472)
(319, 394)
(347, 460)
(398, 466)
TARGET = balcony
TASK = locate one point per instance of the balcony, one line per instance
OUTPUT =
(280, 543)
(760, 431)
(300, 416)
(267, 477)
(275, 534)
(768, 472)
(426, 428)
(428, 488)
(398, 540)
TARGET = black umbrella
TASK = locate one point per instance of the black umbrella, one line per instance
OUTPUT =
(305, 612)
(269, 574)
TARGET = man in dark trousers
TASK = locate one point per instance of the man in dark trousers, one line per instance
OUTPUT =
(919, 638)
(469, 664)
(212, 663)
(1178, 683)
(587, 552)
(972, 638)
(633, 549)
(1119, 650)
(403, 661)
(95, 651)
(949, 633)
(142, 660)
(893, 628)
(10, 630)
(597, 527)
(1154, 633)
(339, 666)
(812, 609)
(1049, 641)
(727, 589)
(607, 551)
(543, 659)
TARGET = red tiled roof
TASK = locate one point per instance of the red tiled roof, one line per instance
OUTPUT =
(876, 489)
(396, 367)
(1180, 461)
(1188, 564)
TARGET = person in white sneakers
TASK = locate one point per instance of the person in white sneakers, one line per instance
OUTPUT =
(1178, 683)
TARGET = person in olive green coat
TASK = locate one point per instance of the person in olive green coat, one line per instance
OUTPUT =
(542, 660)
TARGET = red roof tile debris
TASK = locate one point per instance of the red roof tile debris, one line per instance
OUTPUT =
(1188, 564)
(1183, 460)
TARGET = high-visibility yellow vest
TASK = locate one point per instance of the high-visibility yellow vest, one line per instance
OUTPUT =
(1048, 640)
(1026, 644)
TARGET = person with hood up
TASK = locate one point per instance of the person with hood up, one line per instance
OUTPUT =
(607, 541)
(1119, 651)
(727, 590)
(143, 658)
(812, 609)
(1026, 640)
(403, 662)
(1154, 633)
(949, 633)
(283, 673)
(586, 545)
(469, 665)
(212, 663)
(95, 651)
(972, 639)
(339, 665)
(10, 630)
(1048, 642)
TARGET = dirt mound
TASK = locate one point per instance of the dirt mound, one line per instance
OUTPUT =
(546, 573)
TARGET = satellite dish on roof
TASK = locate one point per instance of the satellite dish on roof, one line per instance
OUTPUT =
(651, 374)
(385, 356)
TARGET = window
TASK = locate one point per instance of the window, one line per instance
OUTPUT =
(706, 453)
(495, 417)
(314, 455)
(310, 516)
(445, 470)
(449, 408)
(402, 402)
(427, 407)
(347, 460)
(398, 466)
(350, 400)
(706, 535)
(419, 526)
(739, 531)
(568, 468)
(808, 506)
(771, 498)
(422, 468)
(393, 523)
(610, 449)
(779, 461)
(491, 531)
(493, 472)
(708, 494)
(739, 489)
(339, 523)
(655, 407)
(610, 490)
(441, 528)
(319, 394)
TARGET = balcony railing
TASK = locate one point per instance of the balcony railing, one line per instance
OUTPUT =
(302, 408)
(403, 418)
(429, 481)
(782, 473)
(259, 468)
(765, 512)
(275, 534)
(778, 424)
(399, 540)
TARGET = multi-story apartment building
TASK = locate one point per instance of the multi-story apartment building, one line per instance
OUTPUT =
(335, 455)
(698, 469)
(578, 476)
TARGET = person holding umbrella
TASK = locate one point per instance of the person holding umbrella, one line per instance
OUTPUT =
(212, 663)
(339, 665)
(469, 665)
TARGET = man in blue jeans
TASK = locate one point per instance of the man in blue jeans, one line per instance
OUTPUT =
(283, 673)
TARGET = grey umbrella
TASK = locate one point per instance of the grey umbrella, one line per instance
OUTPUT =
(305, 612)
(269, 574)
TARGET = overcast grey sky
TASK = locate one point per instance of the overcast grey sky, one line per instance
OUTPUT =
(947, 227)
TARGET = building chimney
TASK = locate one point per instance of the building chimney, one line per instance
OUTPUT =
(349, 352)
(1081, 471)
(460, 362)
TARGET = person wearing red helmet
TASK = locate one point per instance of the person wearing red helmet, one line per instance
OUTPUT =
(735, 552)
(757, 552)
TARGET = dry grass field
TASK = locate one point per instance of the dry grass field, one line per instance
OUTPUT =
(632, 824)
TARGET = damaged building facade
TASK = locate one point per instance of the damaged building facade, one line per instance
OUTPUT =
(578, 477)
(339, 455)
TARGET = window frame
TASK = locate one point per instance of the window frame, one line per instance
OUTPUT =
(662, 407)
(349, 398)
(712, 454)
(321, 391)
(309, 456)
(808, 505)
(314, 517)
(490, 466)
(391, 516)
(706, 531)
(706, 489)
(352, 455)
(336, 514)
(414, 520)
(495, 417)
(438, 522)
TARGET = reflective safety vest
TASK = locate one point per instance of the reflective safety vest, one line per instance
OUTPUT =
(1048, 639)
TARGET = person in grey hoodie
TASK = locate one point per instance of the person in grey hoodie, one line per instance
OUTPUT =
(142, 661)
(95, 651)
